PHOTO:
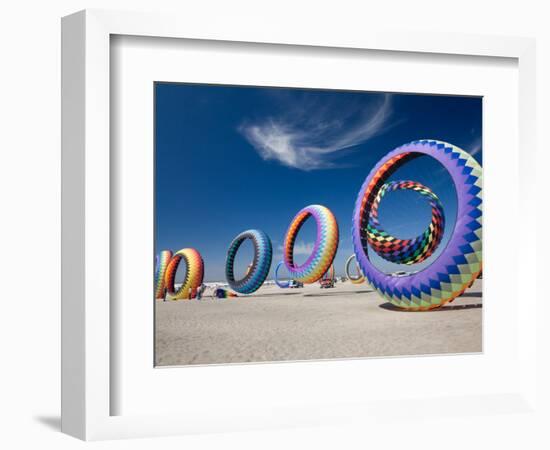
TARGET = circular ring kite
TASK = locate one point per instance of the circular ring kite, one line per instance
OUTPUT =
(406, 251)
(355, 280)
(162, 261)
(193, 275)
(461, 260)
(257, 273)
(281, 284)
(325, 247)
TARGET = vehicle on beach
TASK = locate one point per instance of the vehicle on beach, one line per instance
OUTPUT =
(401, 273)
(327, 283)
(295, 284)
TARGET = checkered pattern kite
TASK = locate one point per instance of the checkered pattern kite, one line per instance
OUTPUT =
(258, 271)
(193, 275)
(406, 251)
(162, 261)
(325, 247)
(460, 262)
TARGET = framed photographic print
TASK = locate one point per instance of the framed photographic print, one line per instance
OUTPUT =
(247, 196)
(274, 188)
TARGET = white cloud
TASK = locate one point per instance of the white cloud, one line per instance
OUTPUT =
(300, 248)
(310, 137)
(475, 146)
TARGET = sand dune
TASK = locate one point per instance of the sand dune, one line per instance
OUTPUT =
(348, 321)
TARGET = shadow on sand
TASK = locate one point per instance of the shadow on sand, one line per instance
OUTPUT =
(331, 294)
(390, 307)
(471, 294)
(268, 295)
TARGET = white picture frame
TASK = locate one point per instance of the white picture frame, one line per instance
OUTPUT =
(87, 325)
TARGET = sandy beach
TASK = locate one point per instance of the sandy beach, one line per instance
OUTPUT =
(348, 321)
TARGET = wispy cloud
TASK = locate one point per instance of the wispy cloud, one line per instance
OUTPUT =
(312, 136)
(475, 146)
(300, 248)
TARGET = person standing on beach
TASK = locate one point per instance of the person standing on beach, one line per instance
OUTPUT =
(200, 291)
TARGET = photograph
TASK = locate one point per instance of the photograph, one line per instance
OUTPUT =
(298, 224)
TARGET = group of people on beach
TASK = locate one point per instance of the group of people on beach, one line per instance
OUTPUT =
(197, 293)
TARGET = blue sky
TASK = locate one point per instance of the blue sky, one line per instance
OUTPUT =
(232, 158)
